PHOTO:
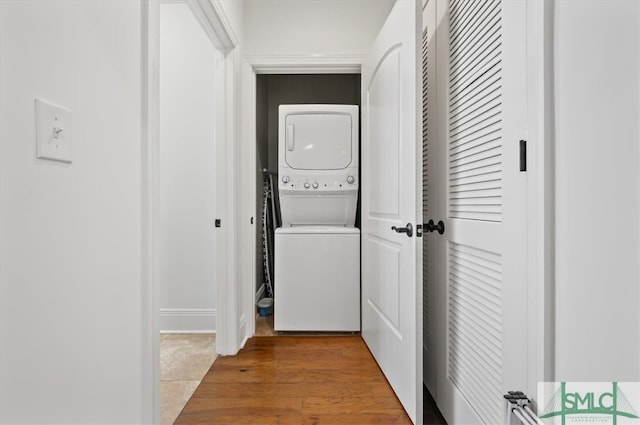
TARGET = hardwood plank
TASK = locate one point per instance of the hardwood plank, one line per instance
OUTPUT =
(196, 419)
(252, 360)
(351, 405)
(263, 389)
(329, 419)
(291, 342)
(362, 374)
(330, 363)
(381, 389)
(247, 406)
(225, 374)
(295, 380)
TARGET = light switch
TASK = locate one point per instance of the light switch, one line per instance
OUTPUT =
(53, 131)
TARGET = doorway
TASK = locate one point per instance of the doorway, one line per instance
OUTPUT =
(273, 90)
(254, 66)
(188, 110)
(185, 266)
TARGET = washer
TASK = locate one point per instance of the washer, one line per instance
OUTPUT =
(317, 279)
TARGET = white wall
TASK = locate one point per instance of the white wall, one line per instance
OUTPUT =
(597, 54)
(186, 235)
(70, 260)
(307, 27)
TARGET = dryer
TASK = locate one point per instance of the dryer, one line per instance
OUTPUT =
(318, 164)
(317, 249)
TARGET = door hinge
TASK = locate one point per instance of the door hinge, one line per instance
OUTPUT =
(418, 230)
(218, 223)
(523, 155)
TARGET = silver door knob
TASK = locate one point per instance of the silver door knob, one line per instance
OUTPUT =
(285, 179)
(350, 179)
(306, 185)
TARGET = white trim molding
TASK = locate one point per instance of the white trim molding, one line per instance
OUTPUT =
(188, 320)
(215, 23)
(541, 197)
(150, 347)
(305, 64)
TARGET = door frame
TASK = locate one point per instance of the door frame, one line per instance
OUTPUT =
(214, 22)
(252, 65)
(541, 195)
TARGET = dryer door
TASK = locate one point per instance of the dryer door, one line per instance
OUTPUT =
(318, 141)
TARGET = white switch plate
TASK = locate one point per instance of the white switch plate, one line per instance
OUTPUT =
(53, 131)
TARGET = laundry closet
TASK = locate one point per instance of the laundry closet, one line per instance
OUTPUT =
(308, 238)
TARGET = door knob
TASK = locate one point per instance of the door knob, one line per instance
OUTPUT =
(431, 226)
(408, 229)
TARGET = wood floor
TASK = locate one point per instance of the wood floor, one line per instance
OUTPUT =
(295, 380)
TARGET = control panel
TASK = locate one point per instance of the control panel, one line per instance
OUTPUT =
(319, 183)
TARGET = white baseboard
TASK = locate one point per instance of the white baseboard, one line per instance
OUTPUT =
(260, 292)
(188, 320)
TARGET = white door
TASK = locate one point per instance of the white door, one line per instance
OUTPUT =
(431, 307)
(482, 194)
(391, 162)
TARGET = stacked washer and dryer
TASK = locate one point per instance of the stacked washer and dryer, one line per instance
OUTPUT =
(317, 249)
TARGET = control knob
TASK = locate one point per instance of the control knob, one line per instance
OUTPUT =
(350, 179)
(285, 179)
(315, 185)
(306, 185)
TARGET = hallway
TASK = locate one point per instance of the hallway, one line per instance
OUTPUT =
(531, 118)
(295, 380)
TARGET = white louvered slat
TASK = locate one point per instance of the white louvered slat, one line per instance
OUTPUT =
(468, 164)
(469, 115)
(470, 27)
(474, 147)
(485, 367)
(463, 332)
(469, 173)
(475, 328)
(426, 337)
(486, 194)
(481, 50)
(487, 88)
(469, 32)
(466, 71)
(474, 178)
(475, 111)
(482, 297)
(460, 191)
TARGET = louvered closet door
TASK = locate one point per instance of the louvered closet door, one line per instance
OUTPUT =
(481, 118)
(431, 305)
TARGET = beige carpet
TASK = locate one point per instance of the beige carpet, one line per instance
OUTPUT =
(184, 360)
